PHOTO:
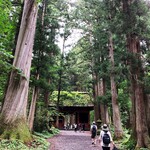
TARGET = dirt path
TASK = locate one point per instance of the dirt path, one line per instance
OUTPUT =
(70, 140)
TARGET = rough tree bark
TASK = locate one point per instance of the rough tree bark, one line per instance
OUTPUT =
(116, 113)
(33, 105)
(13, 119)
(46, 96)
(95, 95)
(139, 121)
(103, 107)
(148, 111)
(60, 73)
(36, 89)
(140, 129)
(97, 103)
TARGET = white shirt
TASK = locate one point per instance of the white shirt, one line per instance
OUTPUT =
(101, 138)
(75, 125)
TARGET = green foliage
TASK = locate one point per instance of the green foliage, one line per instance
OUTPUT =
(71, 98)
(91, 116)
(146, 82)
(125, 102)
(46, 134)
(42, 118)
(5, 25)
(14, 144)
(105, 99)
(130, 144)
(46, 52)
(121, 144)
(6, 39)
(38, 143)
(7, 31)
(77, 67)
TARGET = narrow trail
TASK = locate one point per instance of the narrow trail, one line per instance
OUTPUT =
(70, 140)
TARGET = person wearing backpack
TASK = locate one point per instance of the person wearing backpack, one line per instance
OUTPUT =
(93, 132)
(105, 138)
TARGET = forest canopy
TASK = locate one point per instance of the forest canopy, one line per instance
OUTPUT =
(71, 98)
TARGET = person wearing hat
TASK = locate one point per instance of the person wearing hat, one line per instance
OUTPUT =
(105, 138)
(93, 132)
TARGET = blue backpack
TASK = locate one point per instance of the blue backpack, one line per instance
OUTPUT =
(94, 129)
(106, 138)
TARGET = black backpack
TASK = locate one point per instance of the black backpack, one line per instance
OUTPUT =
(94, 129)
(106, 138)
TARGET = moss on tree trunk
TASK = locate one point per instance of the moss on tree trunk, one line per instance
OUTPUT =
(16, 130)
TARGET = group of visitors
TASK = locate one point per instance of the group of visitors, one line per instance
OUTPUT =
(105, 138)
(80, 127)
(77, 127)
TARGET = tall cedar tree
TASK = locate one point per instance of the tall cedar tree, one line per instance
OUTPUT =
(139, 121)
(35, 91)
(13, 118)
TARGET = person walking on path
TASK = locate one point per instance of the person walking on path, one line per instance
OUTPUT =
(83, 127)
(93, 132)
(80, 127)
(75, 127)
(105, 138)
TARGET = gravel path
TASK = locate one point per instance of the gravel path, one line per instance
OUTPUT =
(70, 140)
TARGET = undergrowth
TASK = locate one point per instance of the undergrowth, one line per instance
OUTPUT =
(126, 143)
(39, 142)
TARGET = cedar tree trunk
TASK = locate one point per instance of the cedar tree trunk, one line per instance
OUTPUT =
(33, 105)
(138, 103)
(103, 107)
(13, 120)
(37, 76)
(95, 95)
(118, 132)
